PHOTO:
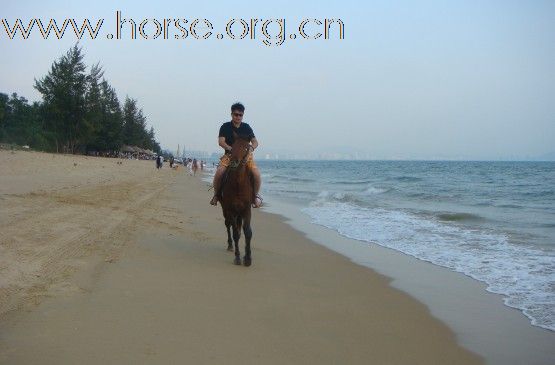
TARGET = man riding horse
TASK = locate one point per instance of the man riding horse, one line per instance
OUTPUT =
(225, 140)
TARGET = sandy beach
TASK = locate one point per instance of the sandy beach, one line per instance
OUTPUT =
(120, 263)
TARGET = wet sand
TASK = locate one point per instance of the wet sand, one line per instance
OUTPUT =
(108, 263)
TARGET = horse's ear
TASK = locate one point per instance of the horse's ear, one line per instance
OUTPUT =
(235, 135)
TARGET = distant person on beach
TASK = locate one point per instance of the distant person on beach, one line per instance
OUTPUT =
(171, 161)
(159, 162)
(195, 166)
(225, 140)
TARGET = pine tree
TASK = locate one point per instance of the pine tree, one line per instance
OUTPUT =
(109, 136)
(19, 121)
(3, 112)
(93, 106)
(63, 91)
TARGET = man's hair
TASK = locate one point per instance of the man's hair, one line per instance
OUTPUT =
(239, 107)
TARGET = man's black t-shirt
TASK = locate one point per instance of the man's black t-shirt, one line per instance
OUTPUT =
(227, 129)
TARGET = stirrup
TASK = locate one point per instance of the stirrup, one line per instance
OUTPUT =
(214, 200)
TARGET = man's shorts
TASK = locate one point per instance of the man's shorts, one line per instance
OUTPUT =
(225, 160)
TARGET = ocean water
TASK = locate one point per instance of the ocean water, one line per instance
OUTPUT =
(492, 221)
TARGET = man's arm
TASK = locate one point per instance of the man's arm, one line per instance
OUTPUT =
(225, 146)
(254, 143)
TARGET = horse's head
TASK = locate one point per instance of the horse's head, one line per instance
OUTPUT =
(240, 147)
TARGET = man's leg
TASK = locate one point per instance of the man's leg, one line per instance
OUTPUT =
(216, 183)
(257, 183)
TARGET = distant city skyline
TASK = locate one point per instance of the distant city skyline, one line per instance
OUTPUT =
(267, 155)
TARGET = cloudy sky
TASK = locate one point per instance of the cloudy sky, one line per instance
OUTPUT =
(410, 79)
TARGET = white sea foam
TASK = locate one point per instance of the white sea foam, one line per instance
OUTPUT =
(524, 274)
(374, 190)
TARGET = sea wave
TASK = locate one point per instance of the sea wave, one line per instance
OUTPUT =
(326, 196)
(406, 178)
(525, 275)
(458, 217)
(376, 190)
(291, 178)
(351, 182)
(516, 206)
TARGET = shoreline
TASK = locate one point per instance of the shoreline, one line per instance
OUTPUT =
(479, 318)
(160, 286)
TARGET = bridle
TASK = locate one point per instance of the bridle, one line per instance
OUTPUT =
(235, 164)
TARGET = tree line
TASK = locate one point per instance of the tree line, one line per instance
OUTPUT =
(79, 112)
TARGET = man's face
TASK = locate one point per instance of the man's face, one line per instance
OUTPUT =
(237, 116)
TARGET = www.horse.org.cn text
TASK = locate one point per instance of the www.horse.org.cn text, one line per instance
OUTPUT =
(271, 32)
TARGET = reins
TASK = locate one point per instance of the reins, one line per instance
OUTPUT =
(235, 164)
(232, 166)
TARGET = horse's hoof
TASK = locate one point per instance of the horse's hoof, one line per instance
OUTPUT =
(237, 261)
(247, 262)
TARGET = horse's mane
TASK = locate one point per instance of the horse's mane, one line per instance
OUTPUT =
(241, 173)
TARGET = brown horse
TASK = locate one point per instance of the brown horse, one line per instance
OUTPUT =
(236, 196)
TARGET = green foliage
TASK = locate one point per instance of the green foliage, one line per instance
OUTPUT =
(19, 121)
(79, 112)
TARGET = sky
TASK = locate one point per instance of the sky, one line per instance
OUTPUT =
(409, 80)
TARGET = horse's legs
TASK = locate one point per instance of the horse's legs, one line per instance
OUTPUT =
(236, 236)
(248, 235)
(229, 242)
